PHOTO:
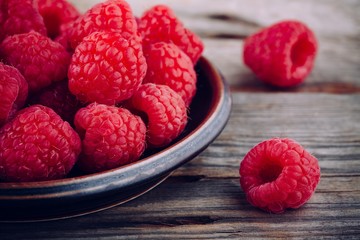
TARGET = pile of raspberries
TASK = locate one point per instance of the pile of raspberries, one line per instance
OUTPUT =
(92, 90)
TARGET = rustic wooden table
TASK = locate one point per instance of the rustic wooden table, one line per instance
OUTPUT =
(203, 199)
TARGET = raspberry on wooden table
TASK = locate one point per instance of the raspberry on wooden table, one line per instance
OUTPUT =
(163, 110)
(40, 60)
(20, 16)
(160, 24)
(170, 66)
(278, 174)
(108, 16)
(106, 68)
(13, 92)
(111, 137)
(56, 14)
(283, 54)
(37, 145)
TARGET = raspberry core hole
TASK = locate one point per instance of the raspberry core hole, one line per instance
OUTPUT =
(270, 172)
(301, 51)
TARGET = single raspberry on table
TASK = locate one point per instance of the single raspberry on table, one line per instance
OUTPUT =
(163, 110)
(109, 16)
(58, 97)
(160, 24)
(170, 66)
(111, 137)
(106, 68)
(40, 60)
(56, 14)
(37, 145)
(283, 54)
(20, 16)
(13, 92)
(278, 174)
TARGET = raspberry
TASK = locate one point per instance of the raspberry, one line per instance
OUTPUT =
(56, 14)
(165, 113)
(106, 68)
(37, 145)
(170, 66)
(109, 16)
(282, 54)
(64, 36)
(58, 98)
(38, 58)
(278, 174)
(111, 137)
(20, 16)
(160, 24)
(13, 92)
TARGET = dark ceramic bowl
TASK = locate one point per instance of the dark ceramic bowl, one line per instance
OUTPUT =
(82, 194)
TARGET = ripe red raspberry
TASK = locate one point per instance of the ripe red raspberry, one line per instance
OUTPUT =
(106, 68)
(282, 54)
(13, 92)
(58, 98)
(37, 57)
(170, 66)
(56, 14)
(160, 24)
(165, 113)
(64, 36)
(278, 174)
(37, 145)
(109, 16)
(20, 16)
(111, 137)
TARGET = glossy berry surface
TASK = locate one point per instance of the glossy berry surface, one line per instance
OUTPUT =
(170, 66)
(37, 145)
(163, 110)
(111, 137)
(106, 68)
(40, 60)
(13, 92)
(20, 16)
(160, 24)
(108, 16)
(283, 54)
(278, 174)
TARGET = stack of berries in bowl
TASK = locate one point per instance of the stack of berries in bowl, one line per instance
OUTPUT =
(92, 90)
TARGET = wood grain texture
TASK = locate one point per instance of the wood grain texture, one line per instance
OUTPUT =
(203, 199)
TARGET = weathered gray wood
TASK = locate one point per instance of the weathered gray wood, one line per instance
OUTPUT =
(203, 199)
